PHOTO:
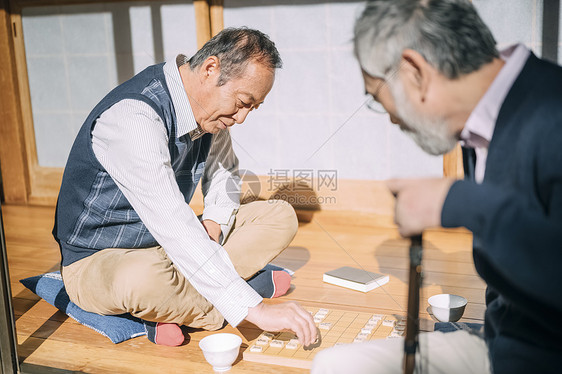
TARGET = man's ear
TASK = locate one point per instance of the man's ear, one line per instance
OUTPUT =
(416, 73)
(210, 69)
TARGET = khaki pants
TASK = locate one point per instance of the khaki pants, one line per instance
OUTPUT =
(440, 353)
(145, 283)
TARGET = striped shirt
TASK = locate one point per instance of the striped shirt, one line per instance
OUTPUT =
(131, 142)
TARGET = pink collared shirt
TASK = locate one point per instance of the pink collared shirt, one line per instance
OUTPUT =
(479, 128)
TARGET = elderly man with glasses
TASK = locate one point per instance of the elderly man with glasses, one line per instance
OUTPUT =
(433, 65)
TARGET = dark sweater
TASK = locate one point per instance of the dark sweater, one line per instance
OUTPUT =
(516, 218)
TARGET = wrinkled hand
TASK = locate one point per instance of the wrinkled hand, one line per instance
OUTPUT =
(419, 203)
(213, 229)
(288, 316)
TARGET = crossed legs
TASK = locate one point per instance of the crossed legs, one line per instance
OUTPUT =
(145, 283)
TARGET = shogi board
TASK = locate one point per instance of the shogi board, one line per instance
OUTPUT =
(335, 327)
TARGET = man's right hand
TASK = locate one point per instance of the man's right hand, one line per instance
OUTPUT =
(288, 316)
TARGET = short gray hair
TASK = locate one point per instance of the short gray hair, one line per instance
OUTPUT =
(449, 34)
(235, 48)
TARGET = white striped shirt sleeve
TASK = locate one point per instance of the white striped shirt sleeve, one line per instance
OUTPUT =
(221, 182)
(131, 143)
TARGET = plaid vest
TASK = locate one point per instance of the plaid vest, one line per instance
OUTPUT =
(92, 213)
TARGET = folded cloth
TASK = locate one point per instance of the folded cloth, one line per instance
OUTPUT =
(117, 328)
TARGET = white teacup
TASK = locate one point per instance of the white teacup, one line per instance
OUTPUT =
(221, 350)
(446, 307)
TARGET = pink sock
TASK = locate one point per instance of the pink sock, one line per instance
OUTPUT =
(169, 334)
(281, 281)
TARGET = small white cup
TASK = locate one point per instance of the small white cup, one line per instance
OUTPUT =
(220, 350)
(446, 307)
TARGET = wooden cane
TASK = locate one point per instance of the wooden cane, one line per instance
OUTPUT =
(412, 323)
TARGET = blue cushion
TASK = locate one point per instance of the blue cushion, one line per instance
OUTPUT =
(117, 328)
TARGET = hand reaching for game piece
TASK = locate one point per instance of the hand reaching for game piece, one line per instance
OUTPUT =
(288, 316)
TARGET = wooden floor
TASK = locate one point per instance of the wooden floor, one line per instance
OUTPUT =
(332, 239)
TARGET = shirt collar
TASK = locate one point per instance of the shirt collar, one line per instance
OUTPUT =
(184, 115)
(480, 126)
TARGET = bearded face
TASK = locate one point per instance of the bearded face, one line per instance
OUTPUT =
(431, 133)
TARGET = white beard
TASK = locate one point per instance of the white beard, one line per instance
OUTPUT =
(431, 134)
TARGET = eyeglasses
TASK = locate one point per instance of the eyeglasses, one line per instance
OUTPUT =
(370, 101)
(374, 105)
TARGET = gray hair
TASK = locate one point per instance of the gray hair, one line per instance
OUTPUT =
(449, 34)
(235, 48)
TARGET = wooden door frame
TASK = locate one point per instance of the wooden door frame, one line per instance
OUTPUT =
(13, 160)
(24, 180)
